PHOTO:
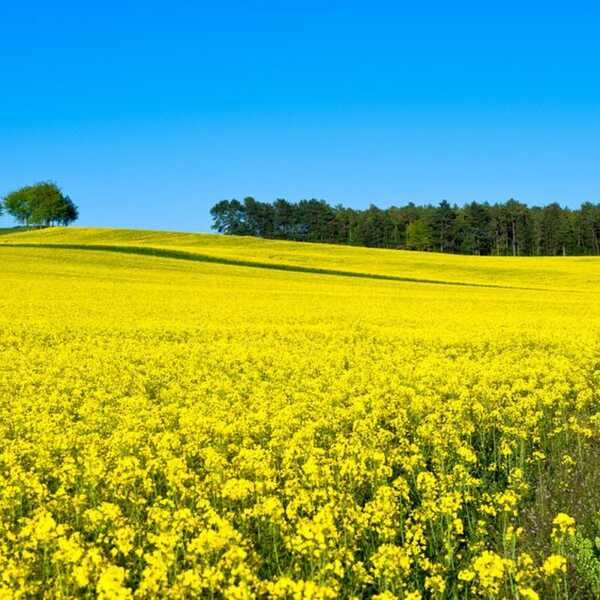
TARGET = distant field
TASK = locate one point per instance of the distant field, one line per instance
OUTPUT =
(180, 419)
(548, 272)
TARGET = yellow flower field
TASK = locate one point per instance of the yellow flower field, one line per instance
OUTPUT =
(174, 426)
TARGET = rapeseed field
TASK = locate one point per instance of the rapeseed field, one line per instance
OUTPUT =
(186, 421)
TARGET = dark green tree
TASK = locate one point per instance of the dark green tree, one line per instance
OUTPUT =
(18, 205)
(442, 227)
(41, 204)
(551, 231)
(509, 228)
(286, 218)
(474, 229)
(229, 217)
(375, 229)
(259, 217)
(590, 227)
(417, 235)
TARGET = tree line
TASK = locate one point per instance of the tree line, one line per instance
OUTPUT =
(510, 228)
(41, 204)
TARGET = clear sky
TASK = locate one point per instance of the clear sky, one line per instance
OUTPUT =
(147, 113)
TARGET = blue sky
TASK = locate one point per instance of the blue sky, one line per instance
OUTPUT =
(147, 113)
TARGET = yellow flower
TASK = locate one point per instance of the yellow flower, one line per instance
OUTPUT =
(387, 595)
(466, 575)
(435, 583)
(528, 594)
(563, 524)
(189, 428)
(110, 584)
(390, 562)
(554, 564)
(490, 571)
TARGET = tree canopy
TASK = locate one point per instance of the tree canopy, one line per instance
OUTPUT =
(505, 229)
(40, 204)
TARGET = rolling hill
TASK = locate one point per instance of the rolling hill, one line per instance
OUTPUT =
(189, 415)
(580, 273)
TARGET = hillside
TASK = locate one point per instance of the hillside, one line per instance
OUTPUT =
(576, 273)
(178, 418)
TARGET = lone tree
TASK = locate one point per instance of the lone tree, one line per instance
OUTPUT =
(41, 204)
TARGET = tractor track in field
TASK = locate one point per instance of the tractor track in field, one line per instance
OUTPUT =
(207, 258)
